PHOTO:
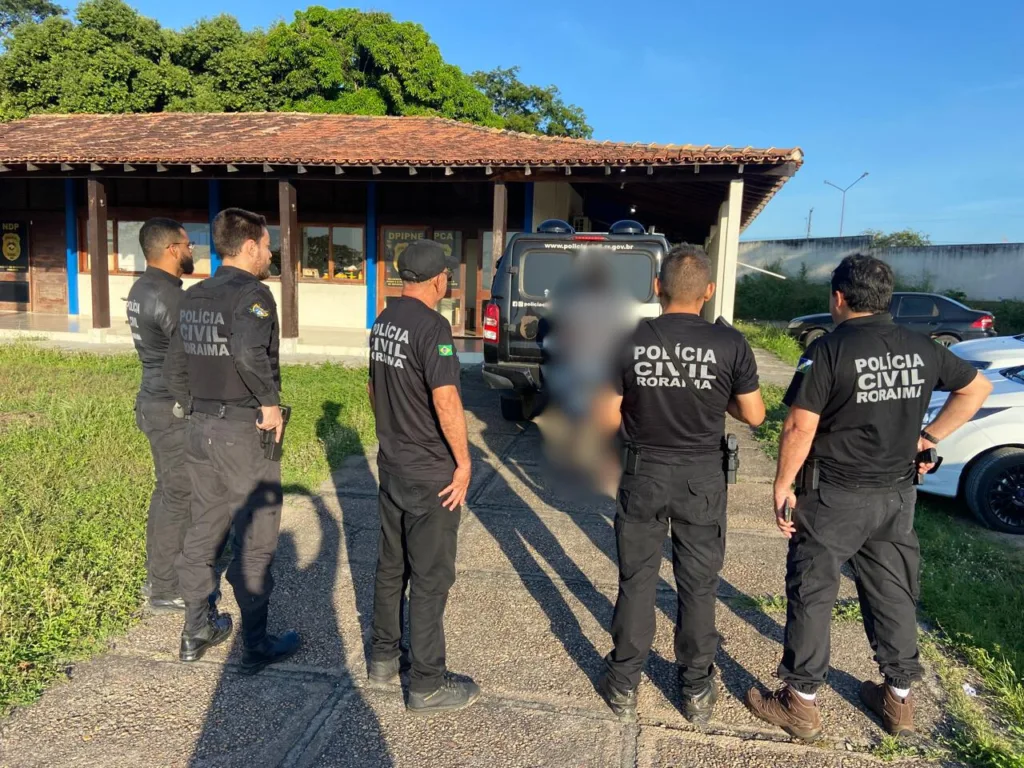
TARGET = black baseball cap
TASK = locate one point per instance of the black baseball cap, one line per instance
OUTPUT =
(424, 259)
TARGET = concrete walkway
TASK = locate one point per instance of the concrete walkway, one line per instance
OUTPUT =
(528, 618)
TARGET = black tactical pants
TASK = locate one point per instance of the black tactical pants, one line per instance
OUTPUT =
(168, 517)
(692, 501)
(874, 530)
(234, 489)
(417, 546)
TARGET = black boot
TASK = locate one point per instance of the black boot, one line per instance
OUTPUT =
(216, 630)
(268, 651)
(699, 707)
(622, 703)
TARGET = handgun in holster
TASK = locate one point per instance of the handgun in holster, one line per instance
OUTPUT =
(630, 459)
(731, 458)
(271, 447)
(807, 479)
(927, 456)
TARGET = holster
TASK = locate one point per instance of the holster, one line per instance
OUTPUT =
(730, 457)
(631, 459)
(807, 479)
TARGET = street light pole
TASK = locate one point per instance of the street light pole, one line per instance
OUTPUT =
(842, 212)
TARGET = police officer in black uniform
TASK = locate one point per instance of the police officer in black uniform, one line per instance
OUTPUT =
(424, 469)
(852, 443)
(676, 380)
(152, 308)
(224, 361)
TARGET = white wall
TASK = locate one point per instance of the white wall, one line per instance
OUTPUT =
(985, 272)
(554, 200)
(326, 306)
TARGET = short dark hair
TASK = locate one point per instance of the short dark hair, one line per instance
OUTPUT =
(158, 233)
(865, 282)
(685, 273)
(232, 227)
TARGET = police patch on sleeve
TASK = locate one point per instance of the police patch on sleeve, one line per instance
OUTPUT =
(445, 350)
(804, 365)
(258, 310)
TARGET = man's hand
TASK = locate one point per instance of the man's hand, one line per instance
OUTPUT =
(456, 492)
(923, 445)
(782, 495)
(270, 418)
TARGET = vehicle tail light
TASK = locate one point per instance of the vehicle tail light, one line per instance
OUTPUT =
(491, 317)
(588, 238)
(983, 323)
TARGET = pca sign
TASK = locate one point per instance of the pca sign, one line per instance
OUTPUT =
(13, 246)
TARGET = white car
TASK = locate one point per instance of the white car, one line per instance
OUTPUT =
(997, 352)
(984, 460)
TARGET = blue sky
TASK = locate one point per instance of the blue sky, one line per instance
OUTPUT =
(927, 96)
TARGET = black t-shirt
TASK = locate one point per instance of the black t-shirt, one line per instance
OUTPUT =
(870, 380)
(411, 354)
(676, 410)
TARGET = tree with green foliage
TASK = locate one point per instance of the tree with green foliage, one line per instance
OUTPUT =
(901, 239)
(530, 108)
(15, 12)
(114, 60)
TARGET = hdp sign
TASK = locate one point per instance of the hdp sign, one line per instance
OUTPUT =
(13, 246)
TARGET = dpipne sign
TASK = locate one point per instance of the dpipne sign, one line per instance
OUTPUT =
(13, 246)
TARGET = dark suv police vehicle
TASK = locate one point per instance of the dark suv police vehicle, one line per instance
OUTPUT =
(529, 270)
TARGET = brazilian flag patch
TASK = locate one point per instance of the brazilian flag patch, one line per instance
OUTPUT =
(445, 350)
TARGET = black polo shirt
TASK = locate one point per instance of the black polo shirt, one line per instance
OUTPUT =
(674, 400)
(870, 380)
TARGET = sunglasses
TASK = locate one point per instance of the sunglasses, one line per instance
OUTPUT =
(191, 246)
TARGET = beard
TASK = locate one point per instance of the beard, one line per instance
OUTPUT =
(264, 273)
(188, 265)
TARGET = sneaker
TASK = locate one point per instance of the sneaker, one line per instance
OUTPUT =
(450, 696)
(897, 714)
(796, 716)
(698, 709)
(271, 650)
(622, 703)
(216, 630)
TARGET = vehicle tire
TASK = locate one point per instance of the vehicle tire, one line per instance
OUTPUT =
(995, 490)
(812, 336)
(946, 339)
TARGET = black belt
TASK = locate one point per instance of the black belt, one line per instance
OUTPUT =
(224, 411)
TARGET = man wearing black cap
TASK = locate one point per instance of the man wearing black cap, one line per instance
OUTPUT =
(424, 472)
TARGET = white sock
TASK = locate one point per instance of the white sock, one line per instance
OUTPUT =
(805, 696)
(901, 693)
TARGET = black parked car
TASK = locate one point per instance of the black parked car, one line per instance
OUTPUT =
(947, 321)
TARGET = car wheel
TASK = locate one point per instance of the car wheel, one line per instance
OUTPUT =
(812, 336)
(946, 339)
(995, 490)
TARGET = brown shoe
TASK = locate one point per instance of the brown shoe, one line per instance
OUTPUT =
(897, 714)
(796, 716)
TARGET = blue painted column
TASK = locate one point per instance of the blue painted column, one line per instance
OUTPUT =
(371, 253)
(528, 207)
(71, 241)
(214, 197)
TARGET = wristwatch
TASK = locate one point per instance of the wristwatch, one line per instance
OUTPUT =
(929, 437)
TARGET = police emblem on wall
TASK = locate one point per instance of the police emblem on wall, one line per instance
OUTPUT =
(13, 246)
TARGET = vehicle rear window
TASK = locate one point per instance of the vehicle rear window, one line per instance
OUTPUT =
(634, 273)
(543, 270)
(918, 306)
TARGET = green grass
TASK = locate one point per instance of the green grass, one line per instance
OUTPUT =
(847, 609)
(775, 340)
(75, 479)
(971, 591)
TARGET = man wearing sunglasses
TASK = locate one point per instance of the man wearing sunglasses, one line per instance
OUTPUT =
(152, 308)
